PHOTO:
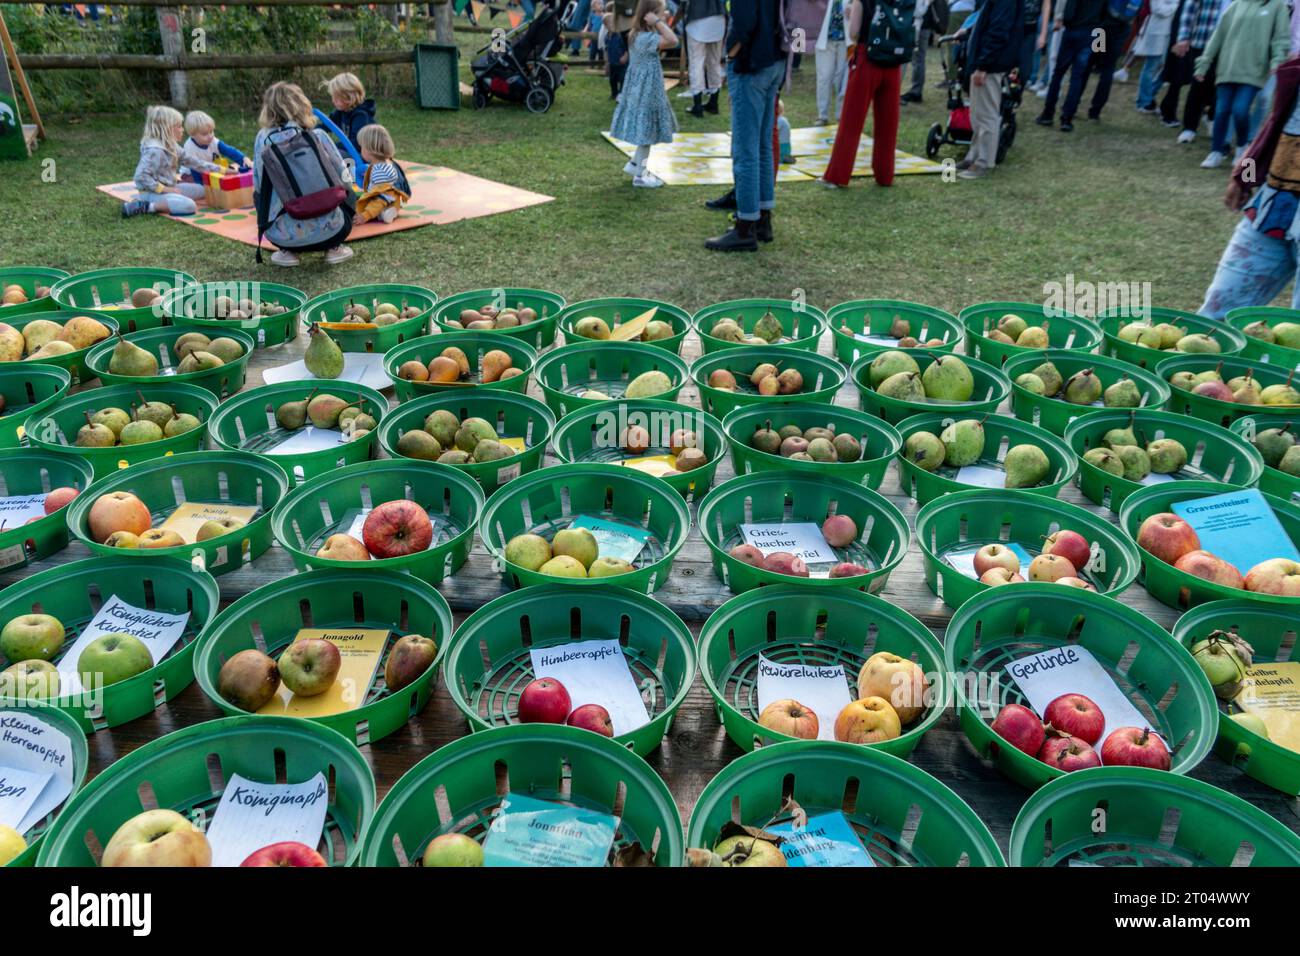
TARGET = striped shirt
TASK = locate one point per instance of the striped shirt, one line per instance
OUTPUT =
(381, 174)
(1198, 22)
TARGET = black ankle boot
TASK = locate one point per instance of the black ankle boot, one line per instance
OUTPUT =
(739, 238)
(763, 228)
(712, 105)
(697, 108)
(727, 201)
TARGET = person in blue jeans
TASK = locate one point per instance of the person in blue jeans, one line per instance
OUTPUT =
(1078, 18)
(577, 22)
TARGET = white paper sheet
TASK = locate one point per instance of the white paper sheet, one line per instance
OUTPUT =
(252, 815)
(801, 538)
(365, 368)
(595, 672)
(19, 789)
(309, 438)
(27, 742)
(20, 509)
(158, 629)
(825, 690)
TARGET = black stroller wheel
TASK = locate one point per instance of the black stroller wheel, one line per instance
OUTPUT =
(480, 97)
(538, 100)
(545, 78)
(933, 140)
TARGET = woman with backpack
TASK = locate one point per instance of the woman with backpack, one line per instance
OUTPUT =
(301, 200)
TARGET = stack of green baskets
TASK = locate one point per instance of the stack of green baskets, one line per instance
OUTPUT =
(1065, 331)
(867, 326)
(1216, 454)
(27, 389)
(334, 599)
(553, 499)
(475, 345)
(565, 374)
(959, 522)
(1231, 342)
(539, 333)
(222, 381)
(32, 279)
(56, 429)
(1057, 826)
(34, 471)
(1184, 402)
(189, 770)
(615, 311)
(337, 502)
(247, 422)
(1001, 434)
(775, 497)
(516, 418)
(490, 661)
(882, 797)
(1265, 629)
(1283, 355)
(37, 724)
(822, 377)
(789, 625)
(801, 325)
(565, 765)
(991, 389)
(225, 479)
(1272, 480)
(74, 361)
(75, 592)
(1055, 413)
(327, 311)
(109, 292)
(1001, 625)
(192, 306)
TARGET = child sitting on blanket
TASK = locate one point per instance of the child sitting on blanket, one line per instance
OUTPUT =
(158, 179)
(384, 188)
(352, 111)
(202, 150)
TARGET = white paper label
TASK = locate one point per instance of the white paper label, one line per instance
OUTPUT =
(31, 744)
(364, 368)
(19, 789)
(20, 509)
(253, 815)
(158, 629)
(982, 476)
(595, 672)
(1155, 479)
(824, 690)
(307, 439)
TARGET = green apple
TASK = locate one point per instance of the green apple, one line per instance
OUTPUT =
(114, 657)
(31, 637)
(30, 680)
(1252, 722)
(453, 849)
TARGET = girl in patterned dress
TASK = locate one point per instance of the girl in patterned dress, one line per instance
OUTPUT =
(644, 116)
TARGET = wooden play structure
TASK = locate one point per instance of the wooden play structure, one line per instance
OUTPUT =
(17, 139)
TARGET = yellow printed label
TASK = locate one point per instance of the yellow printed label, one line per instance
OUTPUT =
(1272, 692)
(515, 443)
(190, 517)
(652, 465)
(360, 649)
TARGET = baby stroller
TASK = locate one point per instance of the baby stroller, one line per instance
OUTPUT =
(514, 65)
(958, 131)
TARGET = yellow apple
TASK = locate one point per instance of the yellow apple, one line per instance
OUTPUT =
(867, 721)
(897, 680)
(158, 838)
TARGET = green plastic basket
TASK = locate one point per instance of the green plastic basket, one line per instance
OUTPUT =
(991, 389)
(1280, 355)
(475, 345)
(330, 503)
(1152, 818)
(1208, 409)
(961, 520)
(881, 795)
(246, 422)
(28, 389)
(540, 333)
(222, 381)
(489, 663)
(879, 440)
(204, 477)
(550, 500)
(187, 771)
(458, 788)
(1231, 342)
(75, 591)
(1272, 481)
(16, 719)
(329, 308)
(593, 434)
(1181, 590)
(1271, 633)
(33, 471)
(822, 377)
(29, 277)
(56, 428)
(801, 325)
(514, 416)
(74, 362)
(793, 626)
(777, 496)
(1065, 331)
(269, 618)
(1001, 433)
(1056, 414)
(564, 373)
(191, 307)
(1214, 454)
(108, 292)
(615, 311)
(873, 318)
(1000, 625)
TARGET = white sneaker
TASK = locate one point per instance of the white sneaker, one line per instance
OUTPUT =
(1236, 158)
(647, 180)
(338, 254)
(388, 215)
(283, 257)
(1120, 75)
(631, 168)
(1040, 91)
(1214, 160)
(1187, 136)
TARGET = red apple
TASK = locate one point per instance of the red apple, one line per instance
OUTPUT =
(995, 577)
(1070, 545)
(791, 718)
(1051, 567)
(57, 498)
(1167, 537)
(1077, 716)
(1215, 390)
(995, 556)
(1275, 576)
(1075, 583)
(544, 701)
(288, 853)
(847, 569)
(1068, 753)
(118, 511)
(748, 554)
(1135, 747)
(1020, 727)
(592, 717)
(396, 528)
(782, 562)
(1209, 567)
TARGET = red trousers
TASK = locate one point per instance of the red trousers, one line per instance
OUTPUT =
(875, 87)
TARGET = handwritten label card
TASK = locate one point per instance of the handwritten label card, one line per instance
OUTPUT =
(29, 743)
(1239, 527)
(531, 832)
(801, 538)
(963, 559)
(615, 539)
(20, 509)
(19, 789)
(187, 519)
(157, 629)
(595, 672)
(824, 690)
(360, 649)
(252, 815)
(827, 840)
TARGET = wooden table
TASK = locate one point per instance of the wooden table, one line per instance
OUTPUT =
(697, 746)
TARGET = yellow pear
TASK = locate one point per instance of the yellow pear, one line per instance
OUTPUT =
(11, 343)
(82, 331)
(39, 331)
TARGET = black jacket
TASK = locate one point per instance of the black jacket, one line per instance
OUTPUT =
(354, 120)
(754, 28)
(700, 9)
(994, 45)
(1080, 14)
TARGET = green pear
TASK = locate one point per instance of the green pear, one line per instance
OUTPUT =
(190, 342)
(1132, 331)
(1026, 466)
(418, 443)
(160, 413)
(443, 426)
(1167, 456)
(1273, 443)
(769, 328)
(1050, 377)
(890, 362)
(1290, 463)
(140, 432)
(323, 358)
(131, 360)
(1279, 394)
(766, 440)
(904, 386)
(1031, 383)
(1287, 334)
(323, 410)
(1034, 337)
(1118, 437)
(1209, 375)
(115, 418)
(1106, 460)
(1122, 394)
(963, 442)
(1151, 338)
(1183, 380)
(925, 450)
(648, 384)
(226, 349)
(847, 448)
(293, 415)
(1246, 391)
(1198, 343)
(948, 379)
(1170, 334)
(472, 431)
(181, 423)
(199, 361)
(94, 435)
(1083, 388)
(728, 330)
(1012, 326)
(1137, 465)
(1260, 330)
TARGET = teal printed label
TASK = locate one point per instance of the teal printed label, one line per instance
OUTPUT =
(1238, 526)
(531, 832)
(616, 540)
(828, 839)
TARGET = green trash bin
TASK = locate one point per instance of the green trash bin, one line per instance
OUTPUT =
(437, 76)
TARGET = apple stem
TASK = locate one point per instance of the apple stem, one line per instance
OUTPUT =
(1146, 735)
(140, 395)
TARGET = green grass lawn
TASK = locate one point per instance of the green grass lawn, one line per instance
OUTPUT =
(1116, 201)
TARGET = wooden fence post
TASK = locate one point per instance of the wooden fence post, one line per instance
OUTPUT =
(443, 15)
(173, 44)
